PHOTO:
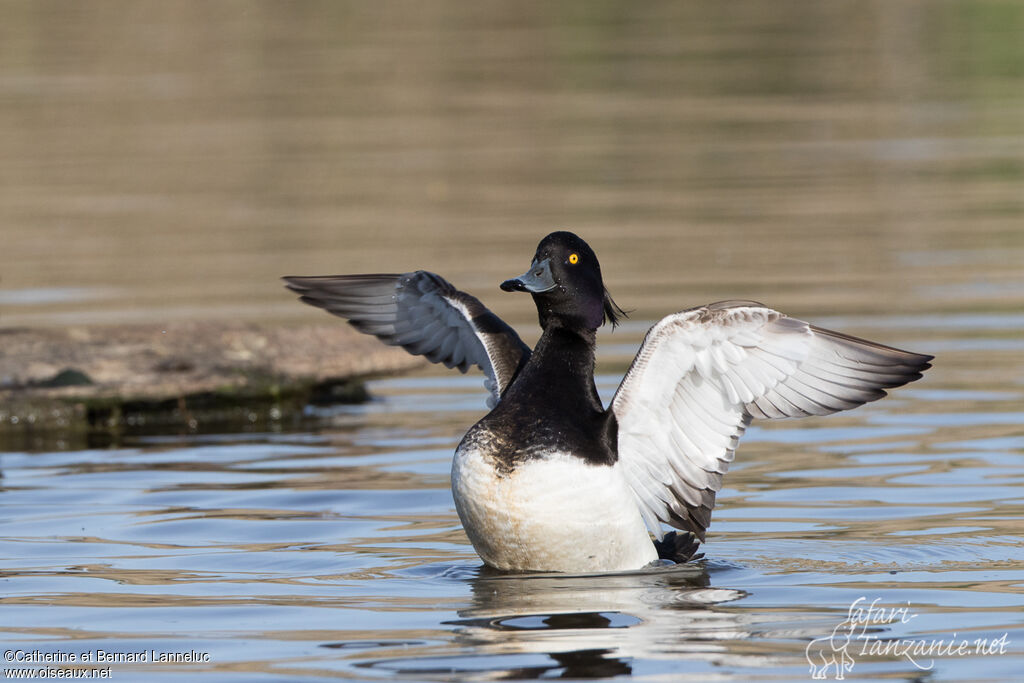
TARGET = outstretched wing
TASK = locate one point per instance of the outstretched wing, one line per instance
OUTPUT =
(424, 314)
(701, 375)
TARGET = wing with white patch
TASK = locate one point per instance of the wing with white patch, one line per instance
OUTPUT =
(424, 314)
(702, 374)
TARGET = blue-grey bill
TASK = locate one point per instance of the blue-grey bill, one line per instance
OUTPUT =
(536, 280)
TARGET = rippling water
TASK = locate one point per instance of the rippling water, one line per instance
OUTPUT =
(855, 164)
(339, 554)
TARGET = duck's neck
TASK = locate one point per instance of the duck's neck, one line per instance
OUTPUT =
(563, 360)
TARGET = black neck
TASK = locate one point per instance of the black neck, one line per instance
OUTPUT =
(564, 361)
(552, 405)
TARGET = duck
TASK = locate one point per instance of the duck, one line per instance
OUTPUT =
(550, 479)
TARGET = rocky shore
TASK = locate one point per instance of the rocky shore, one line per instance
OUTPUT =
(185, 375)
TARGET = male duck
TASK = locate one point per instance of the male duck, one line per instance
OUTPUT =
(550, 480)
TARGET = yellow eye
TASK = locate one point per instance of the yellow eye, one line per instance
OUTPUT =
(574, 259)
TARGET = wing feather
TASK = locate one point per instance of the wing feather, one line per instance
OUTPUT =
(424, 314)
(701, 376)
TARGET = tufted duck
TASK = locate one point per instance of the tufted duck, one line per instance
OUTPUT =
(551, 480)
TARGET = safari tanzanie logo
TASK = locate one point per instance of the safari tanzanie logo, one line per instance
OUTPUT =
(859, 637)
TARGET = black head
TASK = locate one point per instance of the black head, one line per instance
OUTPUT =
(565, 281)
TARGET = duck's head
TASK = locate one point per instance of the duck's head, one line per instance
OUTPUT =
(565, 281)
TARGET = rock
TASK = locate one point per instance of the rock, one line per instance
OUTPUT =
(110, 377)
(68, 377)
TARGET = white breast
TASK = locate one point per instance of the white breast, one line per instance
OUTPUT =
(555, 513)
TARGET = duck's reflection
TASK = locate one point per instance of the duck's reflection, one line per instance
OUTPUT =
(593, 626)
(573, 665)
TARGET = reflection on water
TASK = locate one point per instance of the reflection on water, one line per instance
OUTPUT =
(577, 626)
(857, 164)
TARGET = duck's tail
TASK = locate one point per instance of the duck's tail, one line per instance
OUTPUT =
(678, 547)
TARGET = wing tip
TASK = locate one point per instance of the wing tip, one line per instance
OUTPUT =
(294, 283)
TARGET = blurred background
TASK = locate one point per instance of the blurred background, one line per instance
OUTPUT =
(167, 161)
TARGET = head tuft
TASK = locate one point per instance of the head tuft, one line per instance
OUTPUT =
(612, 311)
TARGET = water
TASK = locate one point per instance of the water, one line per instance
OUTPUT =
(855, 164)
(338, 554)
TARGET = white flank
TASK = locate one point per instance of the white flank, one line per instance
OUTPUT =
(555, 513)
